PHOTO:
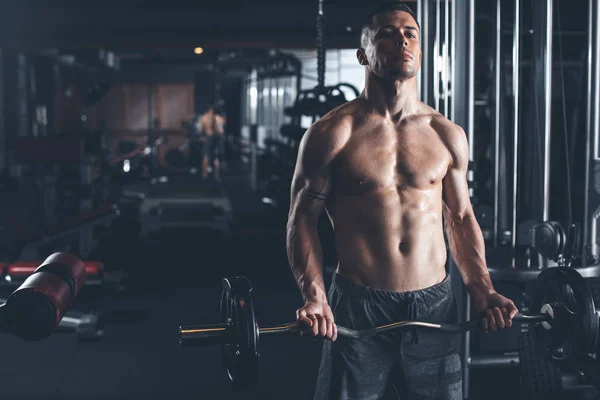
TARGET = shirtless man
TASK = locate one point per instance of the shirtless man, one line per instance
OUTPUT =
(388, 170)
(211, 127)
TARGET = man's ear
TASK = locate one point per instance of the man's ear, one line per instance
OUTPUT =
(361, 57)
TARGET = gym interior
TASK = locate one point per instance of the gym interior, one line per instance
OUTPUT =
(102, 169)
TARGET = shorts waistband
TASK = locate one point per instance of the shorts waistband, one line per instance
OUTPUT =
(366, 293)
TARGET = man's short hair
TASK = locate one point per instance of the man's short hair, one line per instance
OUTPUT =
(380, 7)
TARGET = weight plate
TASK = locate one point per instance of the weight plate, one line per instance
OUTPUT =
(549, 239)
(561, 236)
(240, 350)
(574, 330)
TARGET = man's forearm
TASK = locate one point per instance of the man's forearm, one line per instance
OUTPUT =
(468, 251)
(306, 259)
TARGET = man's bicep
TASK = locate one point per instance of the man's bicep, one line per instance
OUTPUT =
(456, 188)
(456, 194)
(310, 191)
(311, 182)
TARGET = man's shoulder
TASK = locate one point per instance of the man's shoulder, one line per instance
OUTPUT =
(447, 129)
(334, 127)
(453, 136)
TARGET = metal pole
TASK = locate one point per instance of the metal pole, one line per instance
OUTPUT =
(270, 113)
(466, 344)
(446, 58)
(596, 131)
(436, 58)
(253, 164)
(23, 118)
(426, 51)
(253, 90)
(281, 89)
(547, 107)
(516, 76)
(596, 115)
(497, 121)
(471, 82)
(586, 200)
(321, 52)
(453, 63)
(3, 162)
(594, 120)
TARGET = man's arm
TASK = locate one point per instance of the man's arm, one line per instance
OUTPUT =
(466, 240)
(464, 234)
(200, 126)
(309, 190)
(222, 122)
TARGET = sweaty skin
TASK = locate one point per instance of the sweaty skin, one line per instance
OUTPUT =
(385, 196)
(390, 172)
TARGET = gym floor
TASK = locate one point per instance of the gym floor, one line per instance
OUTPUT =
(175, 279)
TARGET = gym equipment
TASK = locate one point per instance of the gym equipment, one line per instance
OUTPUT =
(181, 205)
(16, 273)
(15, 248)
(566, 325)
(550, 240)
(318, 101)
(564, 294)
(133, 154)
(87, 325)
(68, 226)
(33, 310)
(540, 379)
(277, 162)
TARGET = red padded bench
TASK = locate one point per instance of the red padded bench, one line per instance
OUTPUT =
(88, 325)
(20, 270)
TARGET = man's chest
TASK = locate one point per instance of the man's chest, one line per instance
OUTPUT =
(372, 160)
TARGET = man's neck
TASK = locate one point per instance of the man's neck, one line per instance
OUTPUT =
(394, 98)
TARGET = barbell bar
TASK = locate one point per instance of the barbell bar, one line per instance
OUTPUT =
(211, 334)
(565, 328)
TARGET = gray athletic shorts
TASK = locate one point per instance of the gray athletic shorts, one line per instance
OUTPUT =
(408, 364)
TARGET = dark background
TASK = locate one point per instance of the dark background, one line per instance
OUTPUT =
(104, 70)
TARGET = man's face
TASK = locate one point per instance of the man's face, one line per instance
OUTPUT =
(394, 46)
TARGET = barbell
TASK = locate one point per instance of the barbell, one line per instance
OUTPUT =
(566, 327)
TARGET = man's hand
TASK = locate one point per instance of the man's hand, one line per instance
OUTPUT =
(498, 311)
(317, 316)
